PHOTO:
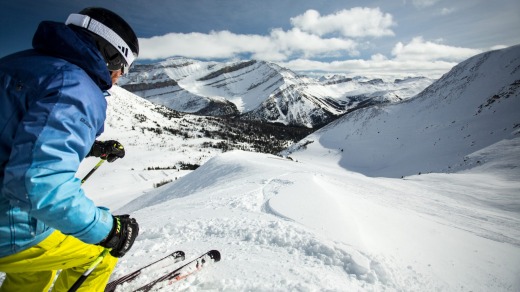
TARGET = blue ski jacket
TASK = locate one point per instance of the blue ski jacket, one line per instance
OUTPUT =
(52, 107)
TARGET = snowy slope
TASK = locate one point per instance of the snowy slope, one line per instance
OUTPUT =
(471, 107)
(298, 226)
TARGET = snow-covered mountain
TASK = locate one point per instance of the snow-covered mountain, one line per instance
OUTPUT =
(262, 91)
(473, 106)
(151, 125)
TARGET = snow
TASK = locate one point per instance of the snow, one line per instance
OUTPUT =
(330, 217)
(283, 225)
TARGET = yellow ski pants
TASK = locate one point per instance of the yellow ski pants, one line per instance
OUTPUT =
(35, 268)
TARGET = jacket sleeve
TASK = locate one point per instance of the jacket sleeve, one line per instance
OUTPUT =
(55, 134)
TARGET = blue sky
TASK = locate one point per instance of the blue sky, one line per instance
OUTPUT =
(416, 37)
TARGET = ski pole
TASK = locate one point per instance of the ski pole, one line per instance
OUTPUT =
(101, 256)
(89, 270)
(92, 170)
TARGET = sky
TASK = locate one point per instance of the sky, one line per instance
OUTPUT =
(416, 37)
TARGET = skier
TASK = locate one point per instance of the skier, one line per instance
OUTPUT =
(52, 108)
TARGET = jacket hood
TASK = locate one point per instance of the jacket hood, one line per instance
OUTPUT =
(75, 46)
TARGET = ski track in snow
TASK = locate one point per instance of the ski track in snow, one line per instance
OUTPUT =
(269, 191)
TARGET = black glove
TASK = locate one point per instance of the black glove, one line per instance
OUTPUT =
(109, 150)
(122, 236)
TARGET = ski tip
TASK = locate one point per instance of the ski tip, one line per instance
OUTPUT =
(215, 255)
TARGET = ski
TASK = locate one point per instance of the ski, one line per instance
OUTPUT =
(195, 265)
(170, 259)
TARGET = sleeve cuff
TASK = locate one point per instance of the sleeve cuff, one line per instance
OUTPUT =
(100, 230)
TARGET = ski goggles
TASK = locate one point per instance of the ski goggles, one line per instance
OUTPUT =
(115, 60)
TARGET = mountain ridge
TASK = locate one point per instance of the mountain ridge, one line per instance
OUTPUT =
(261, 91)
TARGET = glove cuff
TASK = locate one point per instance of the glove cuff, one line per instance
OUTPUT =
(113, 237)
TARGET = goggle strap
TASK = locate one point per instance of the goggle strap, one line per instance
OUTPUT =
(105, 32)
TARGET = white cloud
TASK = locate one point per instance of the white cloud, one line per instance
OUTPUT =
(296, 41)
(355, 22)
(221, 44)
(378, 57)
(279, 45)
(446, 11)
(420, 50)
(497, 47)
(424, 3)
